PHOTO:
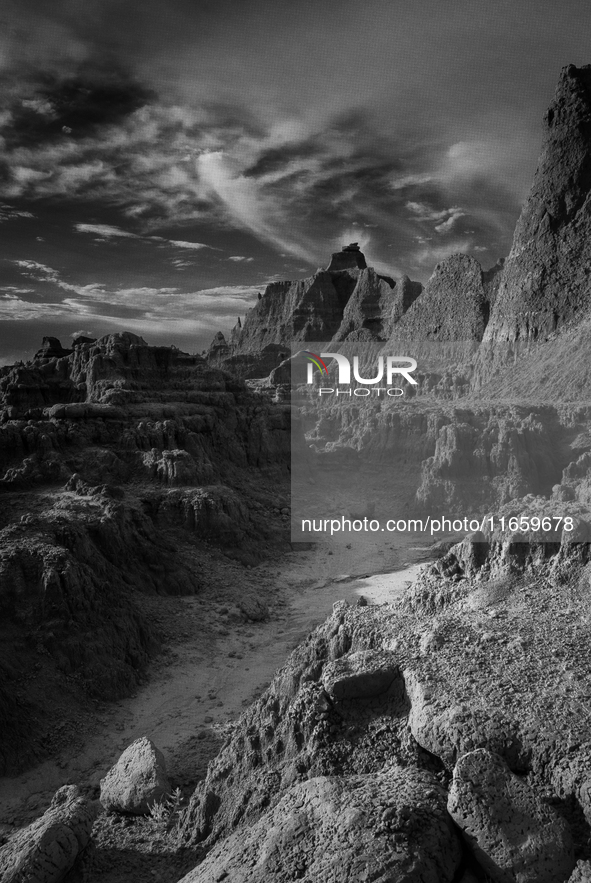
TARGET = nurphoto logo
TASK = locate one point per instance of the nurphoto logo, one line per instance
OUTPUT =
(394, 365)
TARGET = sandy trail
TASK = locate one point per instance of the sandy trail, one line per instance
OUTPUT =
(211, 673)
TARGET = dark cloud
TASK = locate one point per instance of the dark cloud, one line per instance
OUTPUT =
(277, 158)
(74, 107)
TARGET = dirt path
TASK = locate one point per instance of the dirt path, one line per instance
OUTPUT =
(212, 670)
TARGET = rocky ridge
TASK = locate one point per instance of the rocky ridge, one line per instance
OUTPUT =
(347, 301)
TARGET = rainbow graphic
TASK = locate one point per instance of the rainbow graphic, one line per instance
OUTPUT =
(316, 360)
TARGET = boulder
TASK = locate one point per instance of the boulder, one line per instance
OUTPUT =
(46, 850)
(360, 675)
(137, 781)
(515, 837)
(392, 826)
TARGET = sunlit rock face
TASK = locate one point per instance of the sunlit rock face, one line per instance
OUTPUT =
(547, 277)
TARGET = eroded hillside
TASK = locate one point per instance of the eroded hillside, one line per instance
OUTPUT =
(121, 464)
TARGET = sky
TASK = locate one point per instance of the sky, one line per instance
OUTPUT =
(162, 161)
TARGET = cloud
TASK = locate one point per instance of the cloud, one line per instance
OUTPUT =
(425, 212)
(105, 231)
(401, 182)
(429, 255)
(8, 213)
(286, 154)
(16, 289)
(454, 215)
(153, 309)
(196, 246)
(108, 231)
(249, 206)
(240, 257)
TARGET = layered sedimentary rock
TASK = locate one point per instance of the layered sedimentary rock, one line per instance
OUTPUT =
(348, 301)
(350, 257)
(452, 309)
(115, 460)
(309, 309)
(369, 311)
(547, 276)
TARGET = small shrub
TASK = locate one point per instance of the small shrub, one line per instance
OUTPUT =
(167, 810)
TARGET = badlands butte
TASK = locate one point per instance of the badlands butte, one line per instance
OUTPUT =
(443, 736)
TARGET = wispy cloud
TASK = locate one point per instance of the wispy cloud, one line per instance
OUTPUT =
(105, 231)
(427, 254)
(151, 309)
(291, 154)
(196, 246)
(9, 213)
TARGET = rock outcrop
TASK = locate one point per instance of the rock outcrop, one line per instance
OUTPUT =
(46, 850)
(547, 276)
(388, 827)
(348, 301)
(478, 688)
(137, 781)
(360, 675)
(445, 324)
(370, 308)
(309, 309)
(350, 257)
(515, 836)
(51, 348)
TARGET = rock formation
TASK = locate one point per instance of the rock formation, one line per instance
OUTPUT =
(137, 781)
(292, 311)
(346, 828)
(547, 276)
(452, 307)
(513, 833)
(460, 677)
(370, 309)
(46, 850)
(346, 302)
(350, 257)
(114, 461)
